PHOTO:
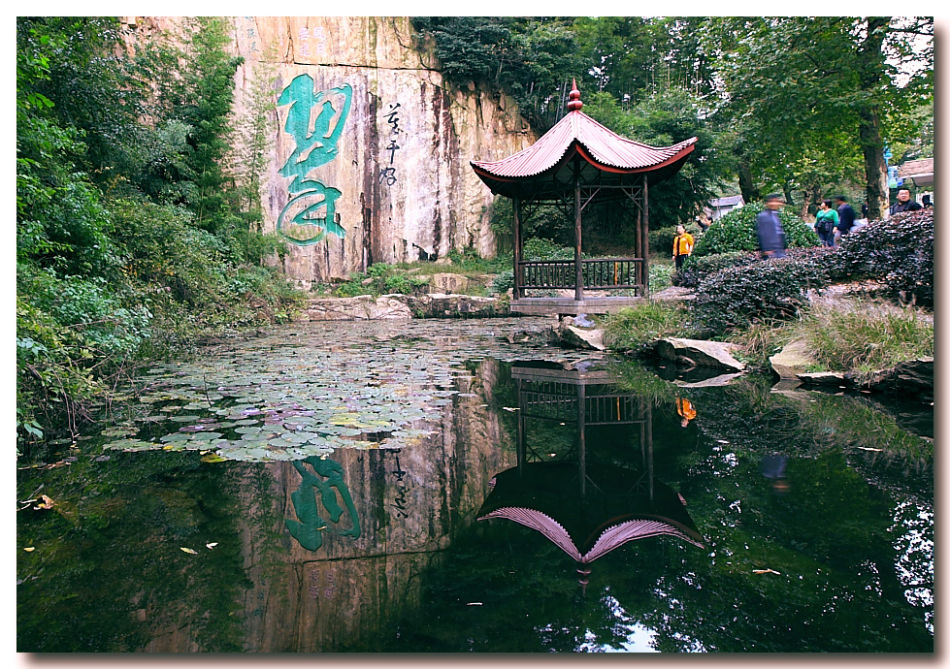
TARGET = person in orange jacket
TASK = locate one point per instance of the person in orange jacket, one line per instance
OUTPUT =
(685, 410)
(682, 246)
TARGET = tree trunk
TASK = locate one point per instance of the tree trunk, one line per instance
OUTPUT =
(870, 68)
(875, 168)
(746, 184)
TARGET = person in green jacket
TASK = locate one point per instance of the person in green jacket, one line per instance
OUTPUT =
(826, 220)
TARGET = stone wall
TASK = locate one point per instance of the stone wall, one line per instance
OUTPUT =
(369, 150)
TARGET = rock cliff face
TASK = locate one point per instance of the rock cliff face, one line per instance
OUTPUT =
(368, 149)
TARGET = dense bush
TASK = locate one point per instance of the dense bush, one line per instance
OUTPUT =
(764, 291)
(538, 248)
(129, 243)
(736, 232)
(697, 268)
(899, 252)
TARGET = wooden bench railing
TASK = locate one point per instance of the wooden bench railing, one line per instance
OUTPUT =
(597, 273)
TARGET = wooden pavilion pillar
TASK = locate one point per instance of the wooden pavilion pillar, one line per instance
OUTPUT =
(578, 263)
(516, 250)
(646, 238)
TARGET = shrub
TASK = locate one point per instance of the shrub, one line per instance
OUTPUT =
(736, 232)
(661, 240)
(695, 269)
(405, 284)
(660, 276)
(898, 251)
(767, 290)
(504, 282)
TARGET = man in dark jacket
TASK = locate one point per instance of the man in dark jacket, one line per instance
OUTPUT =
(768, 227)
(845, 215)
(904, 203)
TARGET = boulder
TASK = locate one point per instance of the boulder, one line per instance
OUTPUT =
(569, 336)
(673, 294)
(794, 359)
(699, 352)
(448, 283)
(713, 382)
(441, 305)
(912, 377)
(361, 307)
(823, 378)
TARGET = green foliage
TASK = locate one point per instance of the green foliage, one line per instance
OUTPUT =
(769, 290)
(530, 59)
(778, 104)
(381, 279)
(545, 249)
(899, 252)
(201, 100)
(736, 232)
(662, 119)
(404, 284)
(107, 271)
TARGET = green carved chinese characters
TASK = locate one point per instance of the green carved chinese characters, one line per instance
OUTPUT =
(311, 212)
(326, 478)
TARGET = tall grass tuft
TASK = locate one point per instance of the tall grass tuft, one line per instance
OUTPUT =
(632, 328)
(870, 335)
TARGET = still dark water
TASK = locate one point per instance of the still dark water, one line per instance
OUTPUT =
(442, 486)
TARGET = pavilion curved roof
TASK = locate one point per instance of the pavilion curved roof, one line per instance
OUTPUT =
(607, 158)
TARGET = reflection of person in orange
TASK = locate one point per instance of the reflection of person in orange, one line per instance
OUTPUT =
(686, 411)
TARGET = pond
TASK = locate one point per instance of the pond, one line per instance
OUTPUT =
(459, 486)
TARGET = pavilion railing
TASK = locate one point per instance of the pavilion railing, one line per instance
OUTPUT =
(597, 273)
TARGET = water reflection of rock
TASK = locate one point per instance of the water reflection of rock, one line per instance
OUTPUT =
(409, 504)
(584, 506)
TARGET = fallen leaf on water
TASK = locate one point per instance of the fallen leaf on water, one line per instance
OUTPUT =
(766, 571)
(47, 503)
(190, 551)
(211, 545)
(213, 457)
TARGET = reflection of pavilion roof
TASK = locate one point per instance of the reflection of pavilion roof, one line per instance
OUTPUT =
(605, 156)
(613, 511)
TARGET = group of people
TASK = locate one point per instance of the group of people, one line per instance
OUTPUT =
(833, 220)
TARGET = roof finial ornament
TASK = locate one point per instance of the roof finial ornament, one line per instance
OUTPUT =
(574, 104)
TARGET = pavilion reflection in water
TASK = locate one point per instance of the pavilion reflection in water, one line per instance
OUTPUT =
(584, 503)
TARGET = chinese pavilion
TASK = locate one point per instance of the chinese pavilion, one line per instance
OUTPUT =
(579, 161)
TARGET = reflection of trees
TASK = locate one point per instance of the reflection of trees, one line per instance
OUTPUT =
(829, 536)
(108, 573)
